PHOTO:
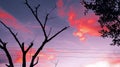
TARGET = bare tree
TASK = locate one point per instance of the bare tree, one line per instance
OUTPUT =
(21, 45)
(4, 48)
(47, 38)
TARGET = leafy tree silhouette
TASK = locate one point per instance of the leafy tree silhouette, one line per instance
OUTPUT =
(109, 17)
(47, 38)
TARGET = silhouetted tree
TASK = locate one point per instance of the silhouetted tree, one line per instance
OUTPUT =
(21, 45)
(109, 17)
(4, 48)
(47, 38)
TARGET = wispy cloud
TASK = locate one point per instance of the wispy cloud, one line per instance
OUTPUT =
(45, 55)
(11, 21)
(61, 8)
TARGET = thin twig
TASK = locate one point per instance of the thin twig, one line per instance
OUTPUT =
(36, 9)
(58, 33)
(36, 17)
(50, 31)
(46, 17)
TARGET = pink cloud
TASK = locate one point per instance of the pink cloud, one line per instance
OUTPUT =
(105, 63)
(117, 61)
(61, 8)
(11, 21)
(44, 56)
(60, 3)
(84, 25)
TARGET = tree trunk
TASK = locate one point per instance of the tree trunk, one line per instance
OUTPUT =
(24, 60)
(9, 57)
(32, 64)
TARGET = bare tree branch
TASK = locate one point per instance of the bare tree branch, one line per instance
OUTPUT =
(43, 44)
(50, 31)
(23, 46)
(20, 45)
(2, 42)
(46, 17)
(30, 46)
(47, 39)
(14, 35)
(36, 61)
(58, 33)
(37, 52)
(1, 46)
(36, 9)
(6, 52)
(36, 17)
(46, 34)
(7, 65)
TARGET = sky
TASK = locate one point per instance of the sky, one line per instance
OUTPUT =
(78, 46)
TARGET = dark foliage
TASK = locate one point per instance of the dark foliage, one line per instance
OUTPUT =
(109, 17)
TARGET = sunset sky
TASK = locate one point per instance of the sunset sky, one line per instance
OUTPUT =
(78, 46)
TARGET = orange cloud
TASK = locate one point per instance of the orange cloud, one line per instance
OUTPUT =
(43, 56)
(83, 24)
(114, 62)
(11, 21)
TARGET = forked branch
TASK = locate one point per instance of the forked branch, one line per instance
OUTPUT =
(47, 36)
(4, 48)
(34, 12)
(21, 45)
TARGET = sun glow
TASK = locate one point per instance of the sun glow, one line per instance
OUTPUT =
(99, 64)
